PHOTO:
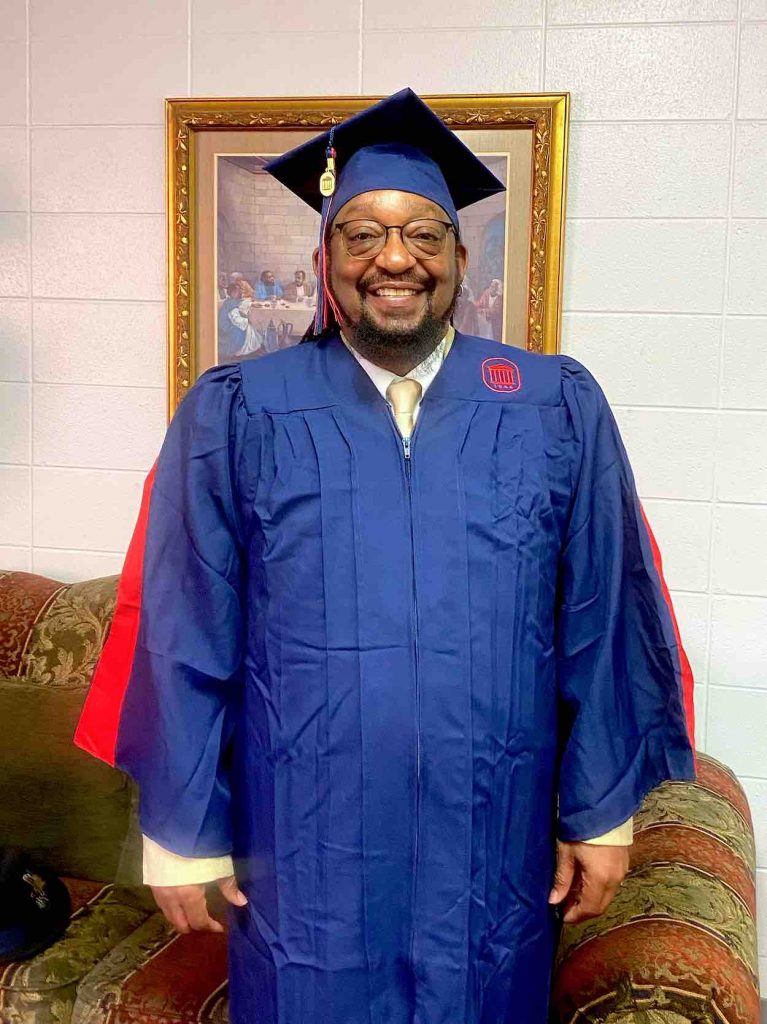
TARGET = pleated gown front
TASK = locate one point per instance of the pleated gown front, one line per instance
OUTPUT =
(387, 676)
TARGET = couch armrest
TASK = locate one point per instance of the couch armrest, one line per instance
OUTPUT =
(679, 939)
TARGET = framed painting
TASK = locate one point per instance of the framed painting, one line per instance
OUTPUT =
(240, 244)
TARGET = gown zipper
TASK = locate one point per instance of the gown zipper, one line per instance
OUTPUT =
(407, 444)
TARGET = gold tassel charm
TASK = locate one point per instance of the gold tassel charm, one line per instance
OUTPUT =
(328, 178)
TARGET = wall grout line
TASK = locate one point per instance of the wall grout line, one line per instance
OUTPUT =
(90, 126)
(720, 366)
(361, 48)
(657, 218)
(95, 384)
(727, 687)
(544, 41)
(82, 551)
(554, 27)
(642, 24)
(30, 304)
(665, 120)
(112, 35)
(85, 298)
(681, 592)
(662, 120)
(688, 408)
(36, 466)
(705, 501)
(760, 505)
(663, 313)
(711, 314)
(88, 213)
(686, 119)
(95, 213)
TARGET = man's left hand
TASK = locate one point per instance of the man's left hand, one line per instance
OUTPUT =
(587, 878)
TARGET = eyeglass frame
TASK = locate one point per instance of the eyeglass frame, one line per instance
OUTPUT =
(399, 227)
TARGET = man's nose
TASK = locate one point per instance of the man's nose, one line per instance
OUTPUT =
(394, 257)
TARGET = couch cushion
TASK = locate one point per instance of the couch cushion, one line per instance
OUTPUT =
(43, 990)
(23, 599)
(66, 640)
(69, 811)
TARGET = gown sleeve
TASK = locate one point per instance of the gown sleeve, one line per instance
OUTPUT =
(622, 672)
(163, 696)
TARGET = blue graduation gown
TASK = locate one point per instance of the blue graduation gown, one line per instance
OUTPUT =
(387, 683)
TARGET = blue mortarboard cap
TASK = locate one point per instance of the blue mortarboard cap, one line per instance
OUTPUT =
(398, 143)
(34, 906)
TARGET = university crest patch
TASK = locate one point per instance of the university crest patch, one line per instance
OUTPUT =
(501, 374)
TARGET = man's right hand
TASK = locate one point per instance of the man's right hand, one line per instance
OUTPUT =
(186, 907)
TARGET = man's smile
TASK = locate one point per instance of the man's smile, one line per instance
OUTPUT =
(394, 289)
(391, 297)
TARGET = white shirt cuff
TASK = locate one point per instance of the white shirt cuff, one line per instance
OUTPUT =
(621, 835)
(162, 867)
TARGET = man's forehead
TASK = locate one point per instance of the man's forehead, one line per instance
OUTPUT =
(389, 200)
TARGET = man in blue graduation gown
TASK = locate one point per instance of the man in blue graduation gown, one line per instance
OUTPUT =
(390, 635)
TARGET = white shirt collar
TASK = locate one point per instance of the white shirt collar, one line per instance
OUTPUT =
(424, 373)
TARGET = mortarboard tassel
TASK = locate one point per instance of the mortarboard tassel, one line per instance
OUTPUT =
(327, 189)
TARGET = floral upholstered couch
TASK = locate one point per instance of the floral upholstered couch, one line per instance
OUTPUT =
(677, 945)
(119, 960)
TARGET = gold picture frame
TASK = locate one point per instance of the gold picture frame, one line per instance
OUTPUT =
(196, 127)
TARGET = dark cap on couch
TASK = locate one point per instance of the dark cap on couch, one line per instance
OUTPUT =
(34, 906)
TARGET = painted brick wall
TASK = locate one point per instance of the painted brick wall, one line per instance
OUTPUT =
(666, 250)
(266, 229)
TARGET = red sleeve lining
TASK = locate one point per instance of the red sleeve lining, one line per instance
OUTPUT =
(688, 682)
(99, 722)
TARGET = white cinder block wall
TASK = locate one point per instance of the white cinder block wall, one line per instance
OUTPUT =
(666, 262)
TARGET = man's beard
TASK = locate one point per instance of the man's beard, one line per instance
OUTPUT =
(378, 343)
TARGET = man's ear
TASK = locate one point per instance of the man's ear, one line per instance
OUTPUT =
(461, 260)
(315, 260)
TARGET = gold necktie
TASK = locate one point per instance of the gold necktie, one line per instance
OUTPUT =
(404, 396)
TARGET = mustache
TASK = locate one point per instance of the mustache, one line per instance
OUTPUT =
(377, 281)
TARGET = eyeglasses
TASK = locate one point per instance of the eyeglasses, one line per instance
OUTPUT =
(365, 239)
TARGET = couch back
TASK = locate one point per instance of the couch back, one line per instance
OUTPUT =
(71, 812)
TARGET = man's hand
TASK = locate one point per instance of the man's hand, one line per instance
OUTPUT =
(186, 908)
(587, 878)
